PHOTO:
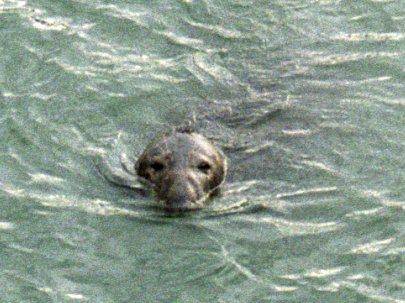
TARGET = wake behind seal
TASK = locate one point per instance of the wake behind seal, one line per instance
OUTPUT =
(184, 168)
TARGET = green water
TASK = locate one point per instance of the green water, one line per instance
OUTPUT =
(306, 98)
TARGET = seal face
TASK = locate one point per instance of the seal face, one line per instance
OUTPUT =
(184, 168)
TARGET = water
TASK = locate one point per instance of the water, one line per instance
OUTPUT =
(306, 98)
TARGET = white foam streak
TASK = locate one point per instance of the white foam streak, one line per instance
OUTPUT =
(75, 297)
(309, 191)
(6, 225)
(372, 247)
(322, 273)
(95, 206)
(293, 228)
(375, 37)
(44, 178)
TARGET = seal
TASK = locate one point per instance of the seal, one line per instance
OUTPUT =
(184, 168)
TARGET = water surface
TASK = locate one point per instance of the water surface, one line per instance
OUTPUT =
(306, 98)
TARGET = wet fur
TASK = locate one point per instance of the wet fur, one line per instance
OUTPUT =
(184, 169)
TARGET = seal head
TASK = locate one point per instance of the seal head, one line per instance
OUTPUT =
(184, 168)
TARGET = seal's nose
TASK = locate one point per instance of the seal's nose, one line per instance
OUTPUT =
(179, 203)
(181, 196)
(180, 192)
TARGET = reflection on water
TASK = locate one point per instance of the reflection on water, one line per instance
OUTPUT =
(306, 100)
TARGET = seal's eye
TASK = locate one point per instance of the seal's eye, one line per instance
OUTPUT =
(157, 166)
(204, 167)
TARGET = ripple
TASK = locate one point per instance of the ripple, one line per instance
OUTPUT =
(40, 19)
(393, 101)
(9, 5)
(50, 23)
(239, 187)
(122, 63)
(336, 59)
(218, 30)
(375, 37)
(94, 206)
(226, 255)
(44, 178)
(203, 68)
(368, 291)
(311, 191)
(322, 273)
(367, 212)
(396, 251)
(315, 273)
(382, 199)
(6, 225)
(372, 247)
(320, 166)
(297, 132)
(355, 282)
(138, 16)
(89, 70)
(348, 83)
(259, 147)
(293, 228)
(181, 40)
(242, 269)
(74, 296)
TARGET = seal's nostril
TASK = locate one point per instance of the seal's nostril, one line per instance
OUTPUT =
(157, 166)
(204, 167)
